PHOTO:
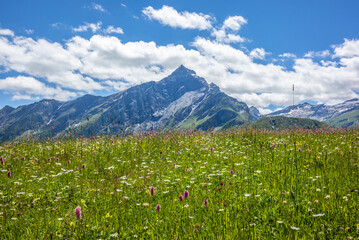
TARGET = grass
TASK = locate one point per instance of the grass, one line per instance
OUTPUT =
(259, 184)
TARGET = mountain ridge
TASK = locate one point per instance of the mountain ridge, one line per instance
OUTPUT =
(180, 100)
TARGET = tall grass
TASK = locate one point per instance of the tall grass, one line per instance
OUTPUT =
(242, 184)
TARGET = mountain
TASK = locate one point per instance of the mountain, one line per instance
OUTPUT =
(339, 115)
(180, 101)
(281, 123)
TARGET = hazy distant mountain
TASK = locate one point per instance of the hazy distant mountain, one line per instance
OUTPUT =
(181, 100)
(281, 122)
(339, 115)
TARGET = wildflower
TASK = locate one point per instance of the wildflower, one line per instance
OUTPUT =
(158, 207)
(78, 212)
(284, 202)
(2, 160)
(180, 197)
(232, 171)
(146, 205)
(186, 194)
(316, 201)
(206, 202)
(152, 191)
(83, 166)
(222, 183)
(327, 197)
(68, 161)
(8, 174)
(295, 228)
(318, 190)
(211, 148)
(319, 215)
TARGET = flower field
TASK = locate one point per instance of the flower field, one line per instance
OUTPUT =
(238, 184)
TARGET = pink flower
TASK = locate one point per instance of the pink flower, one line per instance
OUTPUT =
(232, 171)
(78, 212)
(222, 183)
(68, 161)
(158, 207)
(2, 160)
(152, 191)
(8, 174)
(180, 197)
(83, 166)
(186, 194)
(211, 148)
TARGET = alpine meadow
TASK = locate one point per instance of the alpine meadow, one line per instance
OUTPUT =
(179, 120)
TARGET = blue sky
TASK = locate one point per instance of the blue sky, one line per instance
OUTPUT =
(253, 50)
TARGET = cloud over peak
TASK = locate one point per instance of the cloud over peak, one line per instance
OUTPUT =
(171, 17)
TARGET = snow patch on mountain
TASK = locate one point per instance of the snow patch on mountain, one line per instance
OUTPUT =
(184, 101)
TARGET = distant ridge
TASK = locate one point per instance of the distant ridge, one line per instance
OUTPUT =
(339, 115)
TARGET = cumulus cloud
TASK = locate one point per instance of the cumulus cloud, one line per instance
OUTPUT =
(105, 62)
(350, 48)
(6, 32)
(258, 53)
(31, 86)
(234, 23)
(187, 20)
(228, 32)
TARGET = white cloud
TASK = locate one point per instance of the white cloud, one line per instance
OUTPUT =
(234, 23)
(105, 62)
(320, 54)
(287, 55)
(264, 111)
(112, 29)
(350, 48)
(31, 86)
(123, 5)
(187, 20)
(228, 32)
(258, 53)
(222, 36)
(98, 7)
(6, 32)
(94, 27)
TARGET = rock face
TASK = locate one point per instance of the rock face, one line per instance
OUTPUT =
(182, 100)
(339, 115)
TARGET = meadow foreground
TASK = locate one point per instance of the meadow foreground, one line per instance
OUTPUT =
(239, 184)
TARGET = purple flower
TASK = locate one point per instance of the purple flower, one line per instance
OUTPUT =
(206, 202)
(211, 148)
(83, 166)
(68, 161)
(232, 171)
(78, 212)
(158, 207)
(8, 174)
(186, 194)
(152, 191)
(2, 160)
(222, 183)
(180, 197)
